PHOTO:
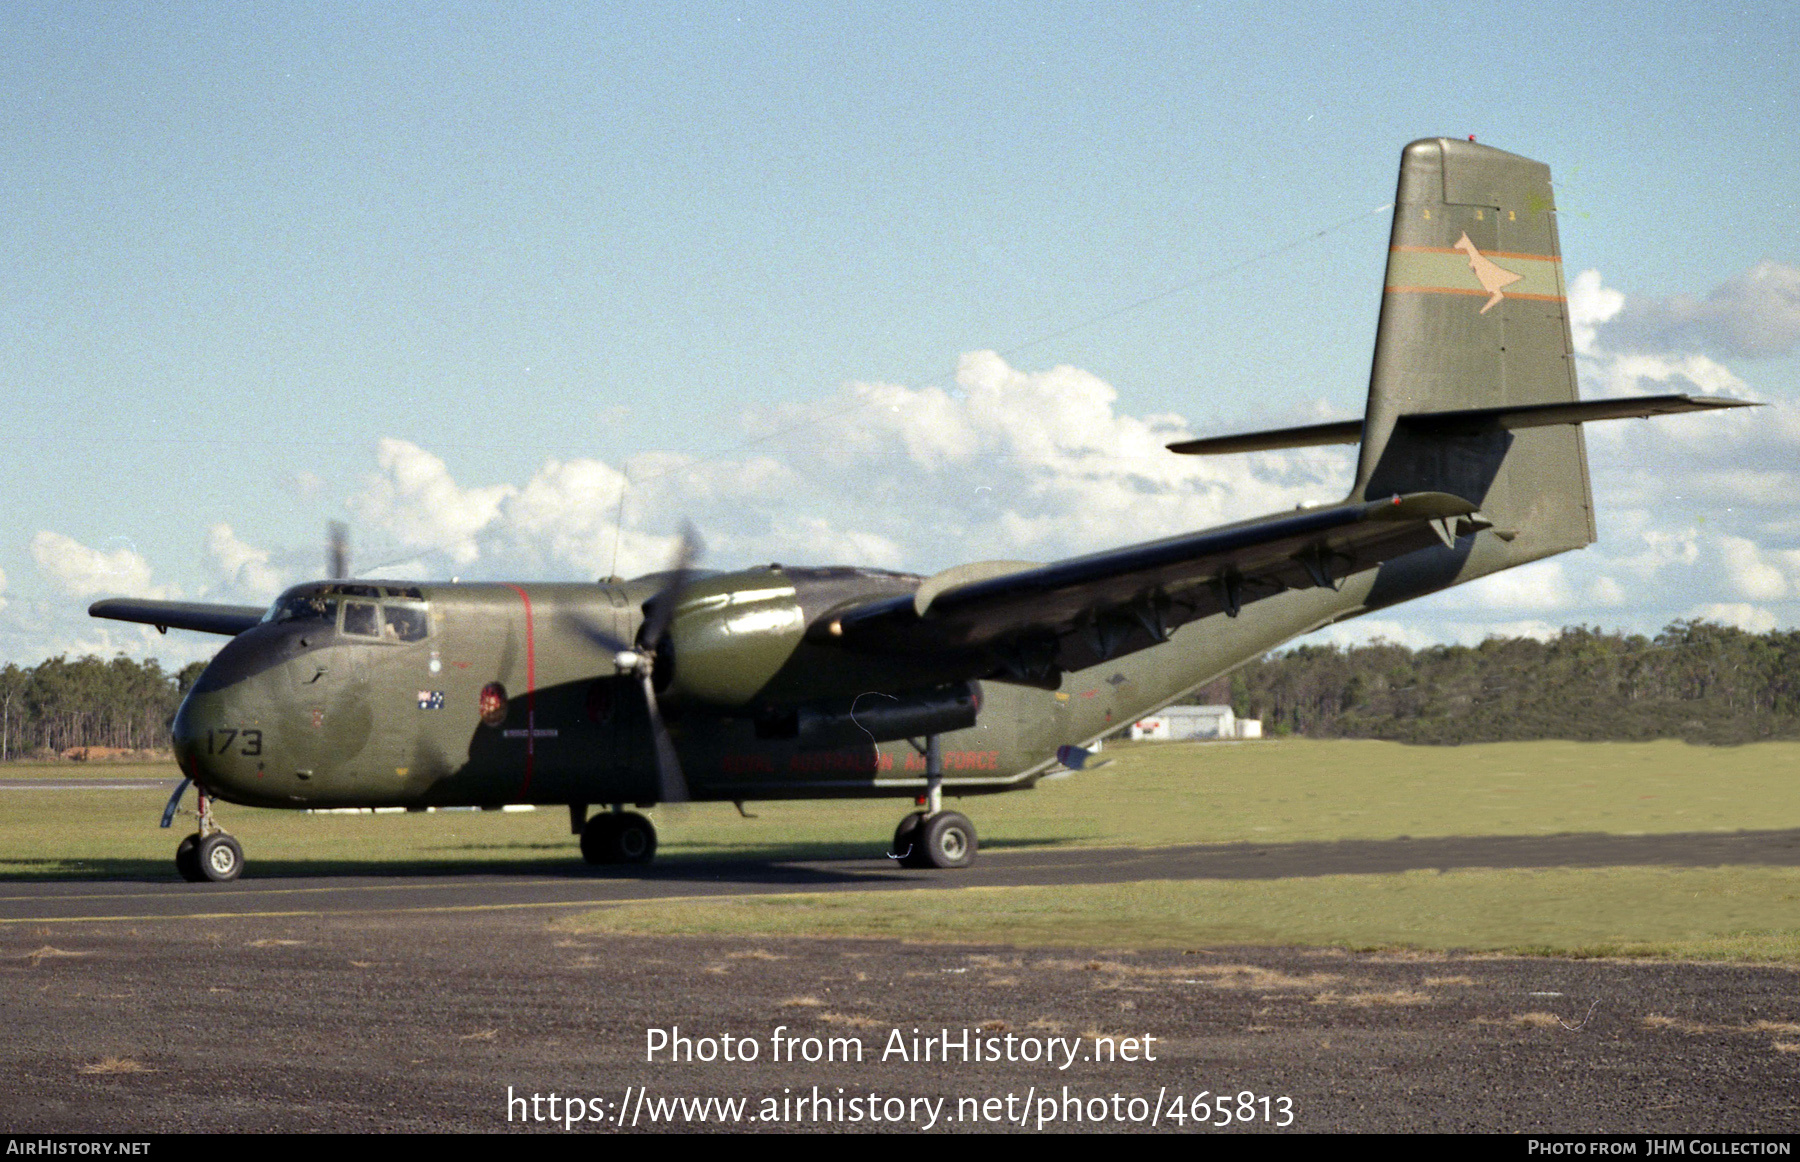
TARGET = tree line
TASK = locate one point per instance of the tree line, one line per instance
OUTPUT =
(1695, 680)
(59, 705)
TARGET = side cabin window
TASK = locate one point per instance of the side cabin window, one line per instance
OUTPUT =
(404, 621)
(361, 619)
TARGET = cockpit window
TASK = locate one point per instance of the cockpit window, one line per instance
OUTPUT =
(360, 619)
(303, 607)
(403, 614)
(404, 621)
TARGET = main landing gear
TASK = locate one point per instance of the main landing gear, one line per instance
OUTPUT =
(616, 837)
(209, 855)
(934, 837)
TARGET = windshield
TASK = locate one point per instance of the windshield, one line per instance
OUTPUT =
(303, 607)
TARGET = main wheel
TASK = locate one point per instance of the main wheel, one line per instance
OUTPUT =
(947, 839)
(635, 839)
(618, 838)
(596, 839)
(219, 857)
(187, 862)
(905, 835)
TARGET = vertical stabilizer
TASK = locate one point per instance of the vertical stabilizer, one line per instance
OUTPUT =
(1474, 315)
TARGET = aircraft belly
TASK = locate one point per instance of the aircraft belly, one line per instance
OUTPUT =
(725, 760)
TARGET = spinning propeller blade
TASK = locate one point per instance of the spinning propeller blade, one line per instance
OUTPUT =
(337, 551)
(661, 608)
(658, 612)
(671, 784)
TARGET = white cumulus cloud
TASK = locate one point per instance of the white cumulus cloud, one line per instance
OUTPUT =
(247, 570)
(81, 571)
(1011, 463)
(1541, 585)
(1753, 315)
(1591, 303)
(1743, 615)
(413, 499)
(1752, 572)
(1605, 591)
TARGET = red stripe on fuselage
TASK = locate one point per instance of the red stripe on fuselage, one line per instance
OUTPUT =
(530, 693)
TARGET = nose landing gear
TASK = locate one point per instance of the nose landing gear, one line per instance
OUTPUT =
(209, 855)
(935, 837)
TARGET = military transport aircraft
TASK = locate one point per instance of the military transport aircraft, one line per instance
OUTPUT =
(790, 682)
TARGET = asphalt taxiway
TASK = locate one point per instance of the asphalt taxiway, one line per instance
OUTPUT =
(572, 885)
(437, 1021)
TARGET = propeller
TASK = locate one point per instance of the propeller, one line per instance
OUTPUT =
(639, 659)
(337, 550)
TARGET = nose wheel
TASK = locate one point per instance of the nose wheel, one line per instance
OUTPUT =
(215, 858)
(208, 855)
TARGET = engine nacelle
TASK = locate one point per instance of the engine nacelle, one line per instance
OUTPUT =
(730, 634)
(737, 644)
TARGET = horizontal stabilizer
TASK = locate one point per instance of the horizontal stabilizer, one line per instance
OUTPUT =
(230, 620)
(1465, 422)
(1340, 432)
(1547, 415)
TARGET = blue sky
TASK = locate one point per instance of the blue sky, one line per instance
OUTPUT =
(445, 271)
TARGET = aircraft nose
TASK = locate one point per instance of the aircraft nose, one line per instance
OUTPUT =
(188, 739)
(213, 744)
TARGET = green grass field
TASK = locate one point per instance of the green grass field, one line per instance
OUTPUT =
(1149, 794)
(1740, 913)
(100, 770)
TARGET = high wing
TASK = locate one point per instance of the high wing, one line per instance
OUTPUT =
(1029, 623)
(230, 620)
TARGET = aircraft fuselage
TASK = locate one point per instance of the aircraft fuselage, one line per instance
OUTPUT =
(388, 694)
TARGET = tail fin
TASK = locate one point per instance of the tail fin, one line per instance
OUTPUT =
(1473, 387)
(1474, 316)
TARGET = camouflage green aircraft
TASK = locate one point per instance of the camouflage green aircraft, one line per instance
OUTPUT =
(786, 682)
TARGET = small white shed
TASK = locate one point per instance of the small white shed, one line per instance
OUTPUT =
(1193, 722)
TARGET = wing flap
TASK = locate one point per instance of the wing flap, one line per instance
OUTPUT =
(230, 620)
(1032, 623)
